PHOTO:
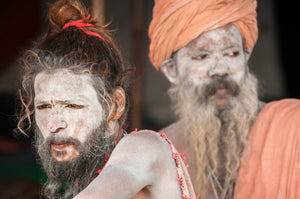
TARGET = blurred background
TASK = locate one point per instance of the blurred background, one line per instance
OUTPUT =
(275, 61)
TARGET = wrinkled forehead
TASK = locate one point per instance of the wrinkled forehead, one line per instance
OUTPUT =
(222, 37)
(62, 84)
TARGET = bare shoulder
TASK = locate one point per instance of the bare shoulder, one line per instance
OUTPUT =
(135, 165)
(141, 146)
(143, 141)
(174, 133)
(148, 156)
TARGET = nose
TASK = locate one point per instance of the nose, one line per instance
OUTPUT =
(219, 70)
(56, 122)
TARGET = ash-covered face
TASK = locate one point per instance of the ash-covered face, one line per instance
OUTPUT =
(67, 111)
(209, 60)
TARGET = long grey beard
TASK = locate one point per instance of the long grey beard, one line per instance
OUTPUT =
(211, 131)
(66, 179)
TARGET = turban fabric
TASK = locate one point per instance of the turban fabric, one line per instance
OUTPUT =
(177, 22)
(272, 169)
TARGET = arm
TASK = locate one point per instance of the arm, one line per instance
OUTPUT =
(134, 164)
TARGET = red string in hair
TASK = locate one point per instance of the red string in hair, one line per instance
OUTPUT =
(80, 25)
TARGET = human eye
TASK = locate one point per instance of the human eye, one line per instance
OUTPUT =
(232, 53)
(200, 57)
(43, 106)
(74, 106)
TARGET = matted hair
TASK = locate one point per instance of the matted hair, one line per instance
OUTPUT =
(73, 49)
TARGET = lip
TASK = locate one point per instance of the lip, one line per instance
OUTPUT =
(59, 145)
(221, 91)
(63, 151)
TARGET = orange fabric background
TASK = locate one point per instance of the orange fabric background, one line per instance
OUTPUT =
(272, 170)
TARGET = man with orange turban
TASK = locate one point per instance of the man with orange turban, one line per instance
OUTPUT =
(237, 146)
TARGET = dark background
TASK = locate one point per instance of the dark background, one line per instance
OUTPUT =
(275, 61)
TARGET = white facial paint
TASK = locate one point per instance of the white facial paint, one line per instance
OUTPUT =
(67, 105)
(214, 53)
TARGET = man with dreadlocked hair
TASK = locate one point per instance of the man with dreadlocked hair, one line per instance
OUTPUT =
(74, 94)
(203, 48)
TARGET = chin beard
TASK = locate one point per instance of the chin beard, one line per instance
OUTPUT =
(68, 178)
(211, 131)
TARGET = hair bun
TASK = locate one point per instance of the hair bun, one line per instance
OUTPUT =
(65, 11)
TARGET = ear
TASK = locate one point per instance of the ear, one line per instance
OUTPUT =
(169, 69)
(120, 97)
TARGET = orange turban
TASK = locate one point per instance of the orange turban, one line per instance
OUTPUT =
(176, 22)
(272, 169)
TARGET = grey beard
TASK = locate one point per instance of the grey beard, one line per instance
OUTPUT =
(66, 179)
(211, 131)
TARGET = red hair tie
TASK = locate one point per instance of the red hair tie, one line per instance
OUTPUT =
(80, 25)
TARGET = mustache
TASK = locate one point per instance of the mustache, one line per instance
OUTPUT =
(54, 139)
(222, 83)
(67, 140)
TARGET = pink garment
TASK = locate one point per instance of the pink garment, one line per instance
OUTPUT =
(184, 180)
(272, 170)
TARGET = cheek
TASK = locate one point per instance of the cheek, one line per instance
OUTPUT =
(238, 70)
(197, 73)
(41, 120)
(80, 131)
(84, 123)
(238, 75)
(77, 123)
(198, 77)
(190, 70)
(236, 65)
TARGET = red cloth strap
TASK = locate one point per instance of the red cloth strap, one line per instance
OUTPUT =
(80, 24)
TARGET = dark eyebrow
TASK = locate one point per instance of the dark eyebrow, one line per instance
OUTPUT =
(42, 102)
(60, 102)
(231, 47)
(202, 49)
(197, 50)
(66, 102)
